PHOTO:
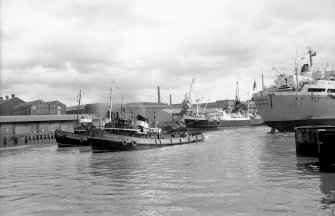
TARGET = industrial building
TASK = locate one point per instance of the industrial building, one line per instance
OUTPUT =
(7, 104)
(16, 106)
(39, 107)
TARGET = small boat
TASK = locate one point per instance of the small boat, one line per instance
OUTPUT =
(120, 136)
(76, 138)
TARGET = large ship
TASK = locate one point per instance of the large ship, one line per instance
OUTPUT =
(305, 98)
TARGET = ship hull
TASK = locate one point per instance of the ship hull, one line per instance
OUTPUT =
(207, 124)
(106, 142)
(70, 139)
(288, 126)
(285, 111)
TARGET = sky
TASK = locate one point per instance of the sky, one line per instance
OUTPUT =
(50, 50)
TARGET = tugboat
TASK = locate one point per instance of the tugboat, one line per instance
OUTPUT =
(124, 134)
(79, 136)
(76, 138)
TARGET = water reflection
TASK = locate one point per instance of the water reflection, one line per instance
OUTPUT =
(310, 166)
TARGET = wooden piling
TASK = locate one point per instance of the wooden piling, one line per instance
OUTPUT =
(316, 141)
(306, 141)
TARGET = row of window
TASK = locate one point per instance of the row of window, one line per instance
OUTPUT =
(263, 102)
(321, 90)
(320, 98)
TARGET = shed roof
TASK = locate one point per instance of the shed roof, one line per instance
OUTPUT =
(41, 118)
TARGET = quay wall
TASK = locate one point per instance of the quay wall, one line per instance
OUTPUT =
(17, 130)
(34, 127)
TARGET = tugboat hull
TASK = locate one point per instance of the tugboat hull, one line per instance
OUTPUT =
(105, 142)
(69, 139)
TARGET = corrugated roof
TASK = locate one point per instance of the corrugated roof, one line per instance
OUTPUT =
(41, 118)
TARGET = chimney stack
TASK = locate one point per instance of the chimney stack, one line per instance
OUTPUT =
(13, 95)
(170, 100)
(7, 97)
(159, 94)
(1, 98)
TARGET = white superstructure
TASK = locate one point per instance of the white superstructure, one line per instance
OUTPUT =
(302, 99)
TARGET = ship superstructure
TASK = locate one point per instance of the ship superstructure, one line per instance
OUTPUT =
(306, 98)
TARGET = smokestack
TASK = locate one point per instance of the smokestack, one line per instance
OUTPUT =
(159, 94)
(1, 98)
(7, 97)
(170, 100)
(13, 95)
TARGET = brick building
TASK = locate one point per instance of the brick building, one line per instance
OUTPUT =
(7, 105)
(39, 107)
(56, 108)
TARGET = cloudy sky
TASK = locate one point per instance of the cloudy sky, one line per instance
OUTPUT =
(50, 49)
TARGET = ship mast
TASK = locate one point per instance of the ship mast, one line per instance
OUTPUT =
(296, 70)
(262, 80)
(111, 100)
(79, 98)
(311, 54)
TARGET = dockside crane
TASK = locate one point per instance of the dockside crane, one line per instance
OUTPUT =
(187, 102)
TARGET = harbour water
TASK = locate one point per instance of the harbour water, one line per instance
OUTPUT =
(236, 171)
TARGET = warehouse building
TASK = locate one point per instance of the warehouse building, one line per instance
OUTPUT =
(7, 105)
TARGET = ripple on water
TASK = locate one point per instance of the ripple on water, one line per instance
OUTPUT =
(241, 171)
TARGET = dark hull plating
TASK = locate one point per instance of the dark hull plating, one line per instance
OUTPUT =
(288, 126)
(69, 139)
(104, 142)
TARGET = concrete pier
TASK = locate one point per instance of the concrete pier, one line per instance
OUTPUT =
(316, 141)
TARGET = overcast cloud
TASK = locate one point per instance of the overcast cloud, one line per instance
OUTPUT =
(51, 49)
